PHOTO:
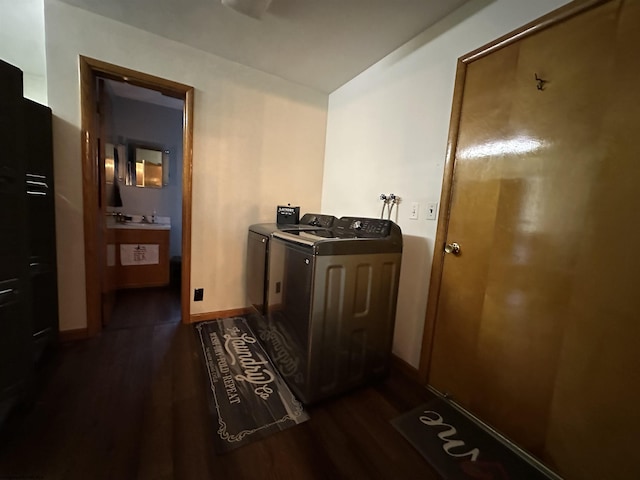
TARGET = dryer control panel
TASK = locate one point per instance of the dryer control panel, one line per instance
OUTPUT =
(317, 220)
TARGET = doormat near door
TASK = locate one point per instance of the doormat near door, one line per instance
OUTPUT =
(458, 449)
(248, 397)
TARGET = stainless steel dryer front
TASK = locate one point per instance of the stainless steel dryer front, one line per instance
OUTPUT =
(258, 254)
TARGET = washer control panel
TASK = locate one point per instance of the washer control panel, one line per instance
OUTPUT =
(362, 227)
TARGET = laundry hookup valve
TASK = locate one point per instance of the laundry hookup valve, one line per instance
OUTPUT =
(388, 201)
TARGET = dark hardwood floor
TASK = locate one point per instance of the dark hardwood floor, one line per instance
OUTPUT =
(131, 404)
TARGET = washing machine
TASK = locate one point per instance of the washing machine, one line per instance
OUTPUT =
(329, 305)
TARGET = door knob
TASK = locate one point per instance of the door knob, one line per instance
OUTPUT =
(452, 248)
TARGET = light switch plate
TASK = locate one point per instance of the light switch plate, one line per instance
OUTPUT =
(415, 211)
(432, 210)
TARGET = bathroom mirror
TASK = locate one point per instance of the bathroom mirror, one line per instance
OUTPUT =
(147, 166)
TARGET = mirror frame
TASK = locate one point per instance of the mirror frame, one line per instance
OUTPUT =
(132, 162)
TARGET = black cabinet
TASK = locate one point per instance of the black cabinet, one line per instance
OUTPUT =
(16, 341)
(41, 223)
(28, 288)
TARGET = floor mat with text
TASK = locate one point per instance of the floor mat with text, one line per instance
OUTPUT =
(249, 398)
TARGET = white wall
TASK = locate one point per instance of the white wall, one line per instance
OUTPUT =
(22, 44)
(387, 133)
(255, 138)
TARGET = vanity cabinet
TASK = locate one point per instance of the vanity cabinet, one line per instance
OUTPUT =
(137, 257)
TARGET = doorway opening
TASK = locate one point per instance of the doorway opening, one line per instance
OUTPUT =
(95, 200)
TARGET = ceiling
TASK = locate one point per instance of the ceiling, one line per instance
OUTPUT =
(321, 44)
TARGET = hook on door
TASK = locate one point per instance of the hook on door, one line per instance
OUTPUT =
(540, 82)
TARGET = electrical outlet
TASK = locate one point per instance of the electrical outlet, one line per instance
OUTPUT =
(198, 294)
(415, 211)
(432, 210)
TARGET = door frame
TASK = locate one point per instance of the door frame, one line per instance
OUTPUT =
(90, 69)
(556, 16)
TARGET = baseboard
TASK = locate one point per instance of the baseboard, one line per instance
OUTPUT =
(73, 335)
(201, 317)
(405, 368)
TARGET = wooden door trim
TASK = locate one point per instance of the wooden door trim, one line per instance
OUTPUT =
(552, 18)
(90, 69)
(90, 192)
(561, 14)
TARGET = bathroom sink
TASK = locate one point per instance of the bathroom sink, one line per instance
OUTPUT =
(140, 226)
(136, 223)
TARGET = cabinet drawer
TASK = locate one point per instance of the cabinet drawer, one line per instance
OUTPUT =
(15, 337)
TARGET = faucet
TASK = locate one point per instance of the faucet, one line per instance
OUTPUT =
(119, 216)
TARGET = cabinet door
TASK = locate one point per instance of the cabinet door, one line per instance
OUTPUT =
(16, 354)
(13, 212)
(39, 182)
(41, 221)
(10, 124)
(16, 349)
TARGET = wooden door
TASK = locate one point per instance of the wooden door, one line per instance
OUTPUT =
(535, 329)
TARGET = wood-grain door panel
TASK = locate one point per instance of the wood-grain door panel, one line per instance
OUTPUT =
(475, 188)
(536, 326)
(594, 427)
